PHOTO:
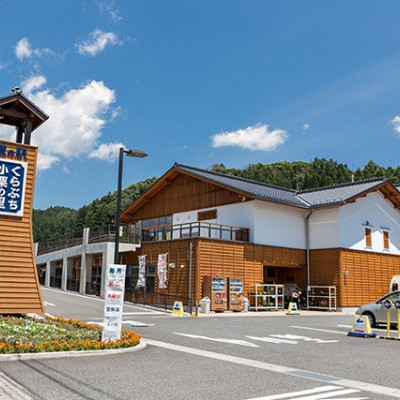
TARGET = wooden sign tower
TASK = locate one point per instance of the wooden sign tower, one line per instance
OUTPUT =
(19, 284)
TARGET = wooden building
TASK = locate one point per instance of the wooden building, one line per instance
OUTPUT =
(19, 285)
(218, 225)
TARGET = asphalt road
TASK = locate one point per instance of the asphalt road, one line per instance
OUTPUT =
(222, 357)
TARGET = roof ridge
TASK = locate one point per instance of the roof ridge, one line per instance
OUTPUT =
(235, 177)
(317, 189)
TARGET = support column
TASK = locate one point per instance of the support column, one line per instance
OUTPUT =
(82, 285)
(47, 279)
(64, 274)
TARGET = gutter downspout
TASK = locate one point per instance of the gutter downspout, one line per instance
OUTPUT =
(307, 220)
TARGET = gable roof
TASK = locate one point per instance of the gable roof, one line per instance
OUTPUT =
(328, 196)
(16, 108)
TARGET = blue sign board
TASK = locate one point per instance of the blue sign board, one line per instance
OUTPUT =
(397, 304)
(388, 304)
(12, 187)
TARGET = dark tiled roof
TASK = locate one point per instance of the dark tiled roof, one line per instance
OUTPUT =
(319, 197)
(331, 195)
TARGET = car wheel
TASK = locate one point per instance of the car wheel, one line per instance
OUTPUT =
(371, 318)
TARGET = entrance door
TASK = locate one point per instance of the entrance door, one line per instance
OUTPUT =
(270, 274)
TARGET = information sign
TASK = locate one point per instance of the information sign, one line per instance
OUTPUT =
(114, 302)
(12, 187)
(397, 304)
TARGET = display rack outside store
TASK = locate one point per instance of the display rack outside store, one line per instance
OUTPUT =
(321, 298)
(266, 297)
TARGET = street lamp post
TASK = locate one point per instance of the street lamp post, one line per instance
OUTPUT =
(130, 153)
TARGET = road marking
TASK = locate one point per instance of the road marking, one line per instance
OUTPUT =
(318, 330)
(143, 313)
(272, 340)
(349, 383)
(223, 340)
(136, 323)
(46, 303)
(375, 329)
(316, 393)
(11, 390)
(305, 338)
(95, 323)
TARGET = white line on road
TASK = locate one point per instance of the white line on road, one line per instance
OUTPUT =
(10, 389)
(349, 383)
(136, 323)
(272, 340)
(375, 329)
(143, 313)
(46, 303)
(319, 391)
(305, 338)
(318, 330)
(223, 340)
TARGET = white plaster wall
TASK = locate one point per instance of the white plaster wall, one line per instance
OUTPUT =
(380, 214)
(279, 225)
(325, 229)
(238, 214)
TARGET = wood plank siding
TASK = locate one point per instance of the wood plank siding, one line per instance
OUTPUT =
(183, 193)
(19, 285)
(223, 258)
(368, 276)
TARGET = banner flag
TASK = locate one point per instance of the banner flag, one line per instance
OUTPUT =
(162, 270)
(141, 282)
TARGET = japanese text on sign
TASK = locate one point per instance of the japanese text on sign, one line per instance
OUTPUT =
(114, 302)
(12, 187)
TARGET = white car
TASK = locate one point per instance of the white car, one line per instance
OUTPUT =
(377, 313)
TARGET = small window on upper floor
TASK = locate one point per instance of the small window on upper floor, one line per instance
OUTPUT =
(386, 243)
(204, 215)
(368, 237)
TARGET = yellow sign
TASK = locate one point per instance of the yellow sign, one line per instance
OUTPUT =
(292, 309)
(361, 327)
(177, 309)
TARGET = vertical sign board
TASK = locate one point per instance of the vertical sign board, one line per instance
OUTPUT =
(12, 187)
(114, 302)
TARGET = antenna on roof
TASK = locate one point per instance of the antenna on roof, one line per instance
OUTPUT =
(16, 90)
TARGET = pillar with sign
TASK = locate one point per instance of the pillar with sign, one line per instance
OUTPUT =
(114, 302)
(19, 284)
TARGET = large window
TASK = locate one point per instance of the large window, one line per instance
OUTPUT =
(156, 229)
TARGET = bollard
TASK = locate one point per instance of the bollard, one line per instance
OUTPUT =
(388, 305)
(197, 308)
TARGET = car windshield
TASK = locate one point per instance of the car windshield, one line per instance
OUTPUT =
(392, 296)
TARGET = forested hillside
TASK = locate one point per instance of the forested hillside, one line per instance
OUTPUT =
(56, 222)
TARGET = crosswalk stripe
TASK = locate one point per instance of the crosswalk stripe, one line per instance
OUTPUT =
(312, 394)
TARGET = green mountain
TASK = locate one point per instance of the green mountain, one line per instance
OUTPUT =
(56, 222)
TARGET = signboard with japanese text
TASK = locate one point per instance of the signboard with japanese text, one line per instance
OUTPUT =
(114, 302)
(12, 187)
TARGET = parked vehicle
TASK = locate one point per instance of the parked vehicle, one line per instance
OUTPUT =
(377, 313)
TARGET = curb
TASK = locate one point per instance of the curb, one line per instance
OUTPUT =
(75, 353)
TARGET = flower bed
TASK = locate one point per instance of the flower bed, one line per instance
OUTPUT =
(29, 335)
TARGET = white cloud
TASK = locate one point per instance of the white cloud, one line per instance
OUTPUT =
(256, 137)
(75, 124)
(97, 42)
(396, 124)
(108, 7)
(305, 127)
(23, 49)
(107, 151)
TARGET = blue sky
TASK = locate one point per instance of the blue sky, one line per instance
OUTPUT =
(200, 82)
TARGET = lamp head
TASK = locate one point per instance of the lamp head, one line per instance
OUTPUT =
(135, 153)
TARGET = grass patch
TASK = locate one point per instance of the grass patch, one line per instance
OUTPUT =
(30, 335)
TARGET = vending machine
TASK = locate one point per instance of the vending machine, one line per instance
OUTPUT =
(216, 289)
(235, 290)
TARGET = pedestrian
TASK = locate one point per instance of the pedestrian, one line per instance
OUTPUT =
(296, 296)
